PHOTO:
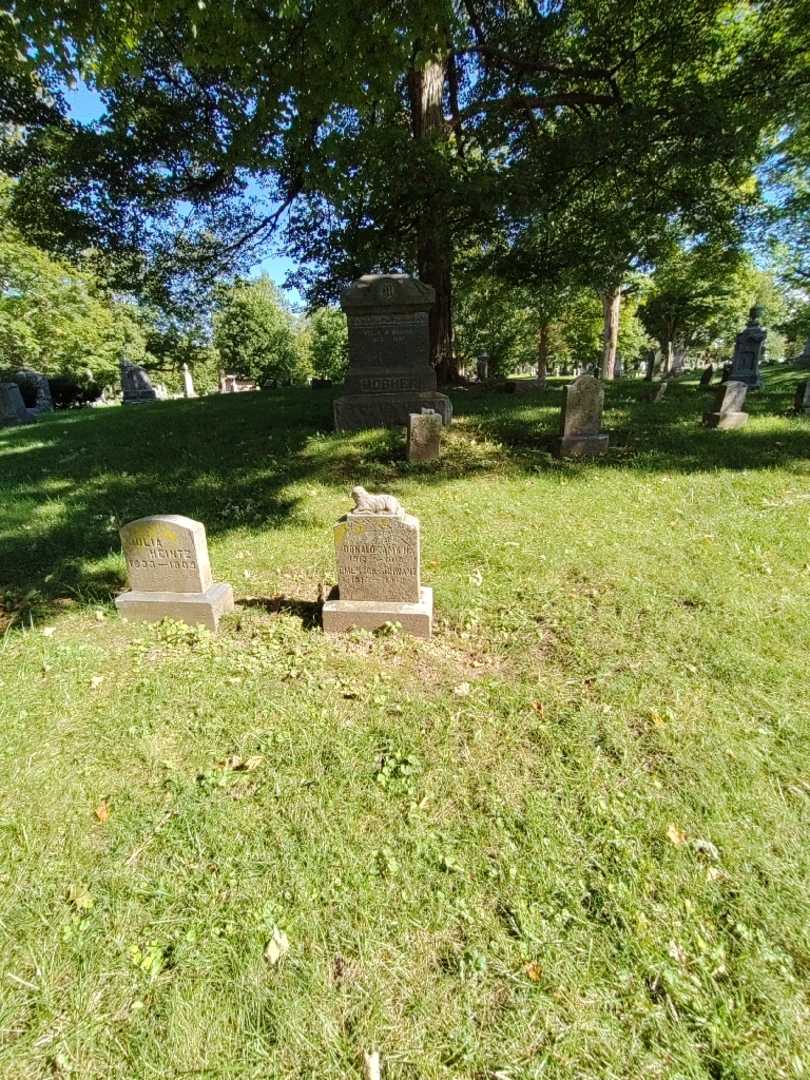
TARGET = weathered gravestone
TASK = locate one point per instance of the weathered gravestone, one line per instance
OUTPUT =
(390, 375)
(378, 561)
(727, 414)
(170, 574)
(802, 399)
(482, 367)
(706, 376)
(658, 390)
(188, 382)
(12, 406)
(749, 350)
(135, 384)
(581, 419)
(33, 384)
(424, 435)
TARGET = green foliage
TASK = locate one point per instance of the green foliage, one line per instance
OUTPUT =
(497, 318)
(255, 334)
(56, 318)
(327, 343)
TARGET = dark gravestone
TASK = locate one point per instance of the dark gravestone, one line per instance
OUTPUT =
(749, 350)
(12, 406)
(135, 384)
(728, 407)
(802, 399)
(482, 367)
(706, 377)
(390, 375)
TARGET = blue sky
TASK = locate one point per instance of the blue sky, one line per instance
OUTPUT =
(85, 106)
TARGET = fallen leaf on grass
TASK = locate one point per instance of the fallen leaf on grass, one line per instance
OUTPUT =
(371, 1065)
(462, 690)
(539, 708)
(714, 873)
(277, 947)
(235, 763)
(48, 631)
(676, 835)
(80, 897)
(102, 811)
(96, 682)
(676, 952)
(533, 971)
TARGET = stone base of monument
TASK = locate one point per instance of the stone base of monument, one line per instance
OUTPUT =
(141, 399)
(582, 445)
(353, 412)
(342, 615)
(725, 421)
(194, 609)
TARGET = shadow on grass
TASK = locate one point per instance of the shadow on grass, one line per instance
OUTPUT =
(308, 611)
(70, 480)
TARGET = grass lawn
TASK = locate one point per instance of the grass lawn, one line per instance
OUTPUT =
(567, 838)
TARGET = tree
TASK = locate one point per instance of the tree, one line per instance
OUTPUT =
(328, 343)
(58, 318)
(255, 335)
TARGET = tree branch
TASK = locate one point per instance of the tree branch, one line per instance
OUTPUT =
(533, 101)
(542, 65)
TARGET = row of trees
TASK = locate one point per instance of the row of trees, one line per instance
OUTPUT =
(557, 152)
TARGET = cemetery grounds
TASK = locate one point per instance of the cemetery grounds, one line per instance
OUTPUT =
(565, 838)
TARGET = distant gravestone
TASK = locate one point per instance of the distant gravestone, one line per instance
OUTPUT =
(135, 384)
(424, 435)
(658, 390)
(482, 367)
(525, 386)
(390, 374)
(170, 574)
(618, 368)
(188, 382)
(749, 350)
(581, 419)
(706, 376)
(34, 383)
(728, 407)
(802, 399)
(377, 546)
(12, 406)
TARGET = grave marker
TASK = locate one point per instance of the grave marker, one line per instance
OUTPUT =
(802, 399)
(136, 385)
(12, 406)
(424, 435)
(749, 351)
(390, 374)
(170, 573)
(581, 419)
(729, 399)
(377, 546)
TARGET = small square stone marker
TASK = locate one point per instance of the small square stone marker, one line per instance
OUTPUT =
(581, 419)
(728, 414)
(378, 558)
(424, 435)
(170, 574)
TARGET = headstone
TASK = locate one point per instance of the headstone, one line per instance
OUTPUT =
(188, 382)
(378, 558)
(749, 350)
(390, 375)
(482, 367)
(706, 376)
(12, 406)
(38, 385)
(728, 414)
(136, 385)
(525, 386)
(618, 368)
(581, 419)
(802, 399)
(658, 390)
(424, 435)
(169, 573)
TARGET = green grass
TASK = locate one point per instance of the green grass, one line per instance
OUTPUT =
(486, 851)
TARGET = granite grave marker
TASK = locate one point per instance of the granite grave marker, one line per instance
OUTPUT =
(749, 350)
(377, 546)
(12, 406)
(728, 414)
(581, 419)
(136, 385)
(424, 435)
(170, 573)
(390, 375)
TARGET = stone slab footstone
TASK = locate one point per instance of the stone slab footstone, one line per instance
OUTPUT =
(390, 374)
(377, 546)
(12, 406)
(170, 573)
(581, 419)
(728, 414)
(424, 435)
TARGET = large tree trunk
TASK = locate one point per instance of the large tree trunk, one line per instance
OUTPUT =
(434, 248)
(543, 348)
(611, 305)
